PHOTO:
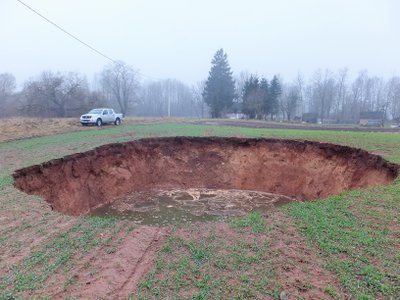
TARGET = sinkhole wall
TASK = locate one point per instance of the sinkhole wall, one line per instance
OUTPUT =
(304, 170)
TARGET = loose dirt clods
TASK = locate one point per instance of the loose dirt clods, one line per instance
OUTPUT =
(302, 170)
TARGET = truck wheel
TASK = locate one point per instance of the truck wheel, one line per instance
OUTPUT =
(99, 122)
(117, 121)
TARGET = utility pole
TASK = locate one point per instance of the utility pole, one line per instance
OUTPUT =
(169, 98)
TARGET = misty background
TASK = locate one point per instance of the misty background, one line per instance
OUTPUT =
(335, 59)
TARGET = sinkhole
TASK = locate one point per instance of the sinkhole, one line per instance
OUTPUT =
(198, 178)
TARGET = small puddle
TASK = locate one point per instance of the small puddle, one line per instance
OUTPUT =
(306, 170)
(165, 207)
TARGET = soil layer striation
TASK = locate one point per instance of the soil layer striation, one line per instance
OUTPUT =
(303, 170)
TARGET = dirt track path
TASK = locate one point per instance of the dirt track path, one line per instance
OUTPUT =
(276, 125)
(117, 274)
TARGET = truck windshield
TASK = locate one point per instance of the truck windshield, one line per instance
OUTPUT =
(96, 111)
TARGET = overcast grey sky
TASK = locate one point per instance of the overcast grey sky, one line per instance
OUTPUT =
(177, 38)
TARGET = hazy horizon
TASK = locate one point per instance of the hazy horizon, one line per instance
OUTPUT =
(177, 39)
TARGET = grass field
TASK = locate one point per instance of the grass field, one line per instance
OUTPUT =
(343, 247)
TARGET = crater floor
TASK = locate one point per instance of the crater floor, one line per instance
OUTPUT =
(300, 170)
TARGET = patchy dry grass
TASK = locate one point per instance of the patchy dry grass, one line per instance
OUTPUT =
(252, 257)
(21, 128)
(346, 246)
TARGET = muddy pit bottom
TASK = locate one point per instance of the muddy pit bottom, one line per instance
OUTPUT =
(164, 207)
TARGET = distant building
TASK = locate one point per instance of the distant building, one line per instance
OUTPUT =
(371, 118)
(235, 116)
(310, 118)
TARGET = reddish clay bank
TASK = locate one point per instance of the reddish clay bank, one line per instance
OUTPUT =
(304, 170)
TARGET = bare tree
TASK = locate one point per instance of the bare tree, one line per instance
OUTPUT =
(322, 89)
(120, 82)
(55, 95)
(96, 99)
(393, 96)
(290, 100)
(7, 87)
(299, 83)
(357, 100)
(201, 107)
(152, 102)
(170, 98)
(341, 94)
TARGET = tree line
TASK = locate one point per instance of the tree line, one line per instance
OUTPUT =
(331, 96)
(56, 94)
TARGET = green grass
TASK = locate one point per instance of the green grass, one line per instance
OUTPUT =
(39, 149)
(355, 233)
(352, 232)
(56, 254)
(205, 267)
(6, 180)
(254, 220)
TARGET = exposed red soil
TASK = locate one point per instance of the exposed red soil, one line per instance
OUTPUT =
(304, 170)
(292, 260)
(117, 274)
(297, 263)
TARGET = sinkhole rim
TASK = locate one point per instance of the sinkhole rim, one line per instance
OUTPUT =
(69, 184)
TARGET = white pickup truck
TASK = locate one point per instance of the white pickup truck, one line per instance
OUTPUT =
(100, 116)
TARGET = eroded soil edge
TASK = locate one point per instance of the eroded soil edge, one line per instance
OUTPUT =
(303, 170)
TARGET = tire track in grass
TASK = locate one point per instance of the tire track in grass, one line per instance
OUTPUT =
(29, 275)
(117, 273)
(28, 242)
(251, 257)
(82, 262)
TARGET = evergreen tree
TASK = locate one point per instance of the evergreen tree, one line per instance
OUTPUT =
(252, 102)
(275, 91)
(219, 90)
(264, 90)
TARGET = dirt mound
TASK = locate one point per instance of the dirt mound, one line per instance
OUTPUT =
(303, 170)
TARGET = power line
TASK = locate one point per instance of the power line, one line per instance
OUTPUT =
(76, 38)
(66, 32)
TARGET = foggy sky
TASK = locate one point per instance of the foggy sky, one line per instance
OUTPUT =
(177, 38)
